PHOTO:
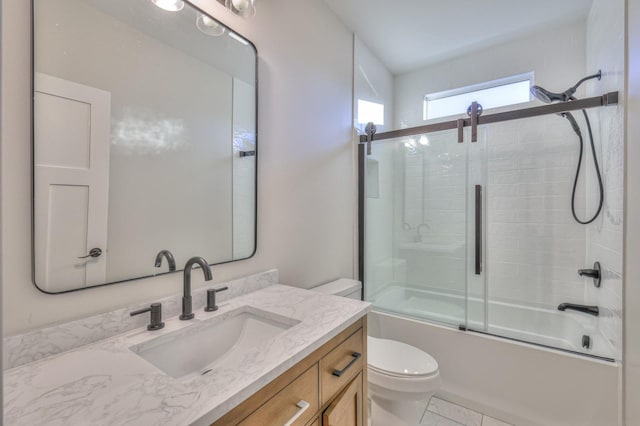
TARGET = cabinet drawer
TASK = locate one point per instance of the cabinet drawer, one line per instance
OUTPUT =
(283, 406)
(344, 362)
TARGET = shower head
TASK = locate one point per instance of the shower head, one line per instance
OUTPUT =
(548, 97)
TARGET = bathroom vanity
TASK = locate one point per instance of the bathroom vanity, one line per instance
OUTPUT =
(278, 355)
(328, 387)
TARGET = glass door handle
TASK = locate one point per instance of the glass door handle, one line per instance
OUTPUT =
(478, 236)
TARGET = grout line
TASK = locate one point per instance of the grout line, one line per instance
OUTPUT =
(444, 417)
(457, 405)
(426, 408)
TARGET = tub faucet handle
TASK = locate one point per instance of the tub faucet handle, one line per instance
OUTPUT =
(595, 273)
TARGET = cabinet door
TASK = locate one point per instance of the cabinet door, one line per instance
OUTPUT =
(283, 407)
(346, 408)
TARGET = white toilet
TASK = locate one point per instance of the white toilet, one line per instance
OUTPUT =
(400, 375)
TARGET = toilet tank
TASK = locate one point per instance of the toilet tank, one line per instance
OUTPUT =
(344, 287)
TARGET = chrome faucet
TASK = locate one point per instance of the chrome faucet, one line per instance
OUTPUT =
(170, 260)
(187, 309)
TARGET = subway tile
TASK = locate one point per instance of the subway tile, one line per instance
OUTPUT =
(544, 189)
(559, 174)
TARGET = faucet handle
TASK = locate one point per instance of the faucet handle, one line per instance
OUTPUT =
(595, 273)
(211, 298)
(156, 316)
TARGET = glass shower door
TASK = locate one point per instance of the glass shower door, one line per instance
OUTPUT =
(415, 227)
(534, 246)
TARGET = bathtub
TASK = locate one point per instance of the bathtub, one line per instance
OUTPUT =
(522, 383)
(536, 325)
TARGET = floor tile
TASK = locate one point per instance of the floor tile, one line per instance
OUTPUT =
(455, 412)
(433, 419)
(490, 421)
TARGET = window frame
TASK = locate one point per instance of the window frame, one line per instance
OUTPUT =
(505, 81)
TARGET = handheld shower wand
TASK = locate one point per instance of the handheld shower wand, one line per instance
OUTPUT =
(548, 97)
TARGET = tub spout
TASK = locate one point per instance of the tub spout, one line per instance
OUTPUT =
(591, 310)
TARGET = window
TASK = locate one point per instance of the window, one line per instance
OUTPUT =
(492, 94)
(370, 112)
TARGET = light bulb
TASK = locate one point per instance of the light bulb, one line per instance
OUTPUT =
(241, 5)
(209, 26)
(424, 140)
(208, 22)
(170, 5)
(244, 8)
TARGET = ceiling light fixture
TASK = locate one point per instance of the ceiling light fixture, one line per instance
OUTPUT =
(170, 5)
(209, 26)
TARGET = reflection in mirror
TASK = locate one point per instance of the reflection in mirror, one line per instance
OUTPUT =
(144, 140)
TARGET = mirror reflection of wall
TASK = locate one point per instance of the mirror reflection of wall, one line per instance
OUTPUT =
(180, 110)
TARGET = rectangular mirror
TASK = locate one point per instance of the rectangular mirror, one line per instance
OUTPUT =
(144, 139)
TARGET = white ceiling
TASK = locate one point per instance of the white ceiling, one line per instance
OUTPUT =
(407, 34)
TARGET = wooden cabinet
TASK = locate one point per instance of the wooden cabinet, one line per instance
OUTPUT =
(327, 388)
(284, 405)
(347, 408)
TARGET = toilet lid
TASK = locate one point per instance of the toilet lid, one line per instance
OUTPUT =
(397, 358)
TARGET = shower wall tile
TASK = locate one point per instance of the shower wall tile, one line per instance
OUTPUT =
(605, 51)
(534, 245)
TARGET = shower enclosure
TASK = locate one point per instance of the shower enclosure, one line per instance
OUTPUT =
(468, 224)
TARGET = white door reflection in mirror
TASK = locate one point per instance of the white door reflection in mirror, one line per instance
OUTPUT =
(71, 182)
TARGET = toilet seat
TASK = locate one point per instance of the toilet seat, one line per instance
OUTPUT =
(397, 359)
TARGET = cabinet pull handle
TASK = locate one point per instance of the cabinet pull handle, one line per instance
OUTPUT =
(356, 356)
(302, 407)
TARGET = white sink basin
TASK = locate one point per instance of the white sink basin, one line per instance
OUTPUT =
(216, 343)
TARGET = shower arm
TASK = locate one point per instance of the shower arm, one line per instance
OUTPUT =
(597, 75)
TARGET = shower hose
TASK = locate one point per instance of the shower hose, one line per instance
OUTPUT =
(597, 167)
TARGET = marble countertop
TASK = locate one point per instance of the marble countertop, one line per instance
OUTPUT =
(105, 383)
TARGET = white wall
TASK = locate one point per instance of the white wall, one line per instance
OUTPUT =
(605, 51)
(373, 82)
(631, 358)
(2, 106)
(306, 188)
(557, 55)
